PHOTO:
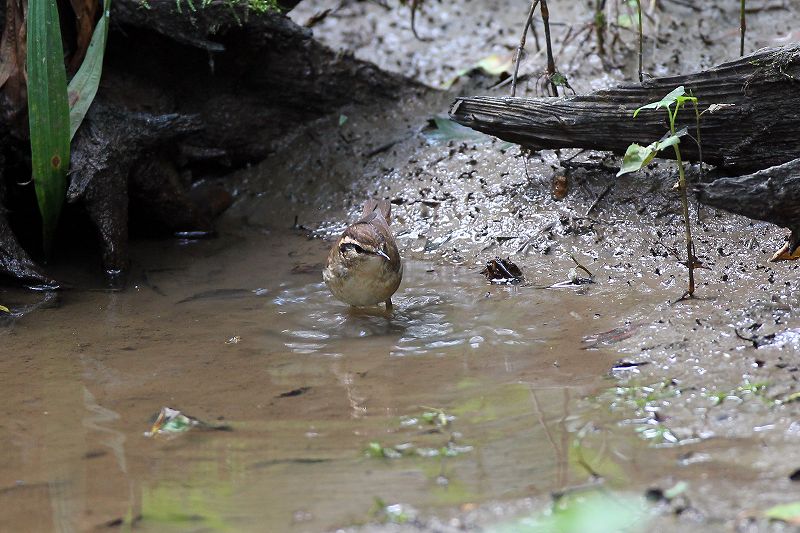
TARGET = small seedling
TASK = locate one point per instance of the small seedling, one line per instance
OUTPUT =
(378, 450)
(389, 514)
(637, 156)
(741, 392)
(658, 433)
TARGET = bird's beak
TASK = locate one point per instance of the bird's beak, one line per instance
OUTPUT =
(382, 254)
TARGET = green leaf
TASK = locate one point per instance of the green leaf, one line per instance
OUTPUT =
(5, 309)
(559, 79)
(787, 512)
(672, 140)
(793, 397)
(667, 101)
(590, 512)
(342, 120)
(48, 113)
(376, 449)
(171, 421)
(83, 86)
(637, 156)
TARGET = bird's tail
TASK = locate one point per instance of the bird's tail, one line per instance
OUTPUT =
(383, 206)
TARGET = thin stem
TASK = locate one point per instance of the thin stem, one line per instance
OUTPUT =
(639, 11)
(551, 64)
(690, 262)
(742, 28)
(699, 150)
(697, 130)
(535, 37)
(600, 27)
(685, 204)
(521, 47)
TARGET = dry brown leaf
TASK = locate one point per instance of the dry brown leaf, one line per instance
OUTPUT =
(12, 57)
(85, 19)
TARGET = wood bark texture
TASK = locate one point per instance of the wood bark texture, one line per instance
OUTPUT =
(755, 126)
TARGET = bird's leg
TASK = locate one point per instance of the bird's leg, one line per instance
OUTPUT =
(388, 305)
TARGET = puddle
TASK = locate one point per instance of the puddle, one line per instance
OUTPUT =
(240, 332)
(230, 335)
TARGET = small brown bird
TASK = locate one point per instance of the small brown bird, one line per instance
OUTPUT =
(364, 266)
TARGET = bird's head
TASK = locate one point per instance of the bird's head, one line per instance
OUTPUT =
(362, 244)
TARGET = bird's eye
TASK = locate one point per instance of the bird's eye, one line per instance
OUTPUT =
(344, 248)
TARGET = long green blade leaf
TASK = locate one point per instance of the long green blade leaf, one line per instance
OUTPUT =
(48, 113)
(83, 86)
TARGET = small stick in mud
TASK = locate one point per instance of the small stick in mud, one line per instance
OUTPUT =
(580, 266)
(599, 198)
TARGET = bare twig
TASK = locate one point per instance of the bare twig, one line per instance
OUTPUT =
(639, 12)
(521, 47)
(580, 266)
(414, 7)
(551, 64)
(742, 27)
(599, 198)
(600, 26)
(536, 37)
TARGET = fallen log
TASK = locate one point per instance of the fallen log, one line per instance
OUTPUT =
(760, 129)
(772, 195)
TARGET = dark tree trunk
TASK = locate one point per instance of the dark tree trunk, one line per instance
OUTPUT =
(772, 194)
(759, 127)
(184, 92)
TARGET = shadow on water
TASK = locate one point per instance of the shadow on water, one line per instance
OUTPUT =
(248, 336)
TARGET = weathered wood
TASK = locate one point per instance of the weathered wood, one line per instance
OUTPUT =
(760, 130)
(105, 151)
(772, 194)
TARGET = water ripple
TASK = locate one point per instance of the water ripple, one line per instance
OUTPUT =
(447, 311)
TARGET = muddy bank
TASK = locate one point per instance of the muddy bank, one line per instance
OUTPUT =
(240, 331)
(722, 364)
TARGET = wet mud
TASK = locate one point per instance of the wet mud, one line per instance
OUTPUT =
(474, 403)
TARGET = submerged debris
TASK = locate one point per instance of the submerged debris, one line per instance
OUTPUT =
(502, 272)
(222, 294)
(171, 422)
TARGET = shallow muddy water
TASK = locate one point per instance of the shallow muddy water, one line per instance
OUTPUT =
(240, 331)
